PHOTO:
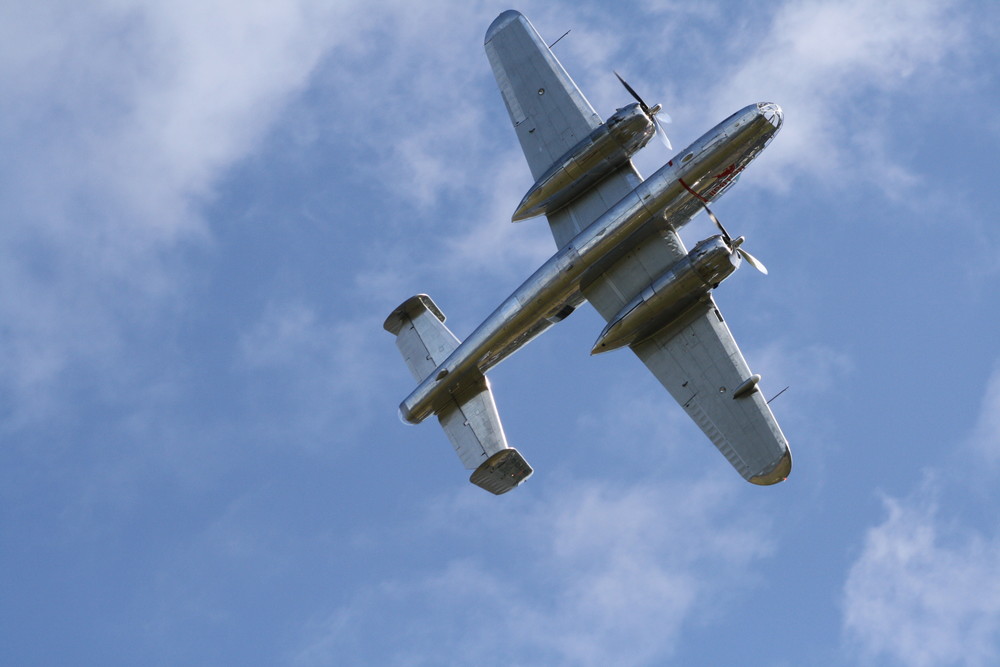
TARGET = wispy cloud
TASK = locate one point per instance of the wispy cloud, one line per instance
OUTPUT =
(120, 120)
(426, 113)
(605, 575)
(311, 380)
(814, 369)
(985, 437)
(833, 67)
(922, 591)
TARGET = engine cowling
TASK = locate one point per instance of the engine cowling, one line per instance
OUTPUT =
(603, 151)
(669, 296)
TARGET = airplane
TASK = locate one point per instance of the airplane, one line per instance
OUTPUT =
(618, 248)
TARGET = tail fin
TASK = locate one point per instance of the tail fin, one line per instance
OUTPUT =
(470, 420)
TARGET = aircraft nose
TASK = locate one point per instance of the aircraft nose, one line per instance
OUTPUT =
(771, 112)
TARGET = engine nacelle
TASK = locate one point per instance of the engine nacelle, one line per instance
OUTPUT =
(669, 296)
(603, 151)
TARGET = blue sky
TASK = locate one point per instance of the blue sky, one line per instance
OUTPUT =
(209, 208)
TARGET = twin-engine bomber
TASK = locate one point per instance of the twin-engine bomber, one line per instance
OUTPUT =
(619, 250)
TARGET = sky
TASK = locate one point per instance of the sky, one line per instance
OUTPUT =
(207, 209)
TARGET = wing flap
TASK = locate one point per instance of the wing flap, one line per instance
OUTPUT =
(576, 216)
(642, 262)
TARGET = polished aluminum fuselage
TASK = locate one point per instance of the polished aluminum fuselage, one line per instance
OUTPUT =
(674, 193)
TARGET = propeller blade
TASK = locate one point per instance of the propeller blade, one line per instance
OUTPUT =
(663, 133)
(725, 235)
(642, 105)
(652, 112)
(735, 245)
(752, 261)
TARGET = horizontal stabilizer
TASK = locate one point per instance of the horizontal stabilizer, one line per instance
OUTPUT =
(473, 426)
(421, 335)
(470, 419)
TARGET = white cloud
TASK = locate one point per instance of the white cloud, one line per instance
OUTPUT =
(121, 118)
(986, 433)
(310, 380)
(418, 96)
(491, 242)
(603, 575)
(923, 592)
(126, 115)
(832, 66)
(407, 90)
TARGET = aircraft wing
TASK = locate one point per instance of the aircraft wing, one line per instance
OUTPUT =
(550, 115)
(697, 359)
(700, 364)
(547, 126)
(549, 112)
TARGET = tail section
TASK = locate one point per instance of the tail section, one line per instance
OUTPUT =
(421, 335)
(470, 420)
(502, 472)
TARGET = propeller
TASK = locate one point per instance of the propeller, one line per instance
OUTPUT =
(736, 244)
(650, 111)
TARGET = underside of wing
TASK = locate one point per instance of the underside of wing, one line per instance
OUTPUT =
(699, 363)
(550, 116)
(549, 113)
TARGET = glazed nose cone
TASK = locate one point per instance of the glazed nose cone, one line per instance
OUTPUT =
(771, 112)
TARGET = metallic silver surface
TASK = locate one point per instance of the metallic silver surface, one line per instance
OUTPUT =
(470, 419)
(777, 473)
(697, 360)
(618, 248)
(514, 48)
(603, 151)
(708, 264)
(747, 387)
(714, 160)
(502, 472)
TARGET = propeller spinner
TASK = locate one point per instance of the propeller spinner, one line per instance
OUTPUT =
(735, 244)
(650, 111)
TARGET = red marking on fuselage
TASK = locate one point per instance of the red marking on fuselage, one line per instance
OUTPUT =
(688, 188)
(722, 182)
(727, 172)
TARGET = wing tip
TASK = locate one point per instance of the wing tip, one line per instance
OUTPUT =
(501, 22)
(778, 473)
